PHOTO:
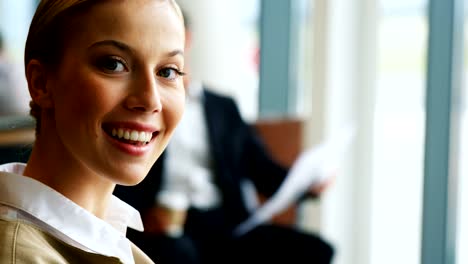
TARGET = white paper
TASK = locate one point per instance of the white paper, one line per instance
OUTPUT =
(314, 166)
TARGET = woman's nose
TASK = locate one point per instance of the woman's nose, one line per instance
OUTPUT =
(144, 94)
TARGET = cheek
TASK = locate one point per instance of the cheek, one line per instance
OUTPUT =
(84, 93)
(84, 99)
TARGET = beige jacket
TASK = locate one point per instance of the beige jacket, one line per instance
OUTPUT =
(22, 243)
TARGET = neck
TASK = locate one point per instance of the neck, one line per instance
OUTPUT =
(51, 164)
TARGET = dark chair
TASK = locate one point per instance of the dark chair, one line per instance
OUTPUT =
(283, 138)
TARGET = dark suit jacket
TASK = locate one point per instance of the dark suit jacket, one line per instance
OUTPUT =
(237, 153)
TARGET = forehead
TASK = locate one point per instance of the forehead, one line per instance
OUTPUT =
(149, 23)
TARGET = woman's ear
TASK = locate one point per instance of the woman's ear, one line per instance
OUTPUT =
(36, 75)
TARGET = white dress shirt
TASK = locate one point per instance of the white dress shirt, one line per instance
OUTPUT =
(23, 198)
(188, 178)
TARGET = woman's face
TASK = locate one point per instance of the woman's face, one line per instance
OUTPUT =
(117, 92)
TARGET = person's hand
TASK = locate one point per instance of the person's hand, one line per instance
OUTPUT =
(317, 189)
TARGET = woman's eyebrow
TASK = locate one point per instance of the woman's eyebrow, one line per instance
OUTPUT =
(124, 47)
(175, 53)
(120, 45)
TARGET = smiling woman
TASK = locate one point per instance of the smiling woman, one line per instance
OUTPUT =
(105, 78)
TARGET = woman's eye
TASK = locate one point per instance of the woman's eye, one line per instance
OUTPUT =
(112, 64)
(170, 73)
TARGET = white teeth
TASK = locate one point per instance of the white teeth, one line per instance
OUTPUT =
(132, 135)
(142, 136)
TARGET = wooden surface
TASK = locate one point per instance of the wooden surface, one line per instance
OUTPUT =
(16, 130)
(17, 137)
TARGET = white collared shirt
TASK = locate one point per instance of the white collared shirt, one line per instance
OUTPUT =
(23, 198)
(188, 166)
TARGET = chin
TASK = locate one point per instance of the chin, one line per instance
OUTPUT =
(130, 181)
(131, 177)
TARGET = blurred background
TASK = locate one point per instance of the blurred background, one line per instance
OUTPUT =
(328, 63)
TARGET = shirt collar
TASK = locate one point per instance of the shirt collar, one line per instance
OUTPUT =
(106, 237)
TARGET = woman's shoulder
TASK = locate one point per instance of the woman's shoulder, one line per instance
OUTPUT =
(25, 243)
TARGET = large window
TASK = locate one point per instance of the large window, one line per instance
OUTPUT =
(462, 239)
(399, 132)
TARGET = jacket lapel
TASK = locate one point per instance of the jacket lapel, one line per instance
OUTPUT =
(213, 123)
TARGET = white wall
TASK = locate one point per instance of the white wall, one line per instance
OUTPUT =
(223, 48)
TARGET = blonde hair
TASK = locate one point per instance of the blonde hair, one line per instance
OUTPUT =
(46, 34)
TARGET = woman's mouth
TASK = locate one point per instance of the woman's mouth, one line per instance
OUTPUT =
(131, 136)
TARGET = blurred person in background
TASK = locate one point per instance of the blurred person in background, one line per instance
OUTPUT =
(14, 97)
(192, 199)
